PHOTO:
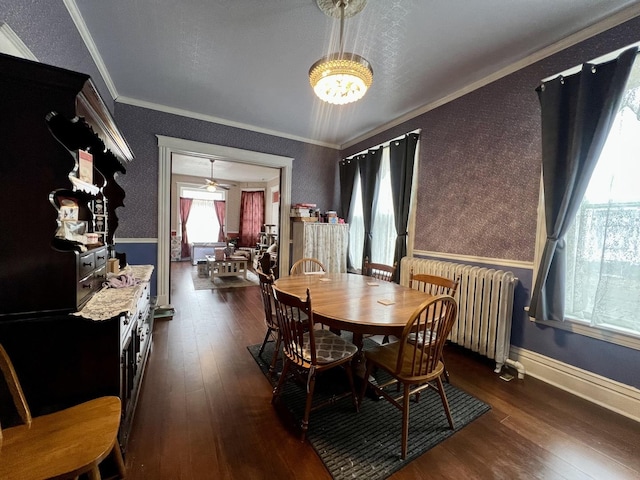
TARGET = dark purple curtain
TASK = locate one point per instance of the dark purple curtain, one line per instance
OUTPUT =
(401, 160)
(369, 164)
(577, 113)
(220, 208)
(185, 208)
(348, 171)
(251, 217)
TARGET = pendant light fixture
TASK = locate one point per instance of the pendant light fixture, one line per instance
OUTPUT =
(341, 77)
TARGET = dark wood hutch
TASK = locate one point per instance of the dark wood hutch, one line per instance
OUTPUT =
(48, 114)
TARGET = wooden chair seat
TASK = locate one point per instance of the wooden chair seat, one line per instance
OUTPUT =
(62, 444)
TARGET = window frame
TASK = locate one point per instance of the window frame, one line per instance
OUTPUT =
(572, 324)
(414, 190)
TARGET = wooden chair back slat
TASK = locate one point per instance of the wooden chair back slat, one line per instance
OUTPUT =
(11, 379)
(433, 284)
(424, 336)
(295, 318)
(379, 271)
(305, 265)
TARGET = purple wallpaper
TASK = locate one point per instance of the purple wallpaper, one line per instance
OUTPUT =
(480, 159)
(477, 184)
(313, 170)
(49, 32)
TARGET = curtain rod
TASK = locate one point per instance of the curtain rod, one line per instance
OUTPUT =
(383, 145)
(602, 59)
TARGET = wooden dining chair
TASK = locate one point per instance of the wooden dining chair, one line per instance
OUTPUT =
(434, 285)
(415, 365)
(308, 350)
(273, 332)
(64, 444)
(307, 265)
(379, 271)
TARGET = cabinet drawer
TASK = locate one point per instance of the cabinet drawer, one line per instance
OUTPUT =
(100, 257)
(142, 309)
(85, 288)
(86, 264)
(99, 276)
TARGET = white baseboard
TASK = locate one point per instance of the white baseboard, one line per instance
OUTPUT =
(612, 395)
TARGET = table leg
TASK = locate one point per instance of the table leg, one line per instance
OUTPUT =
(359, 365)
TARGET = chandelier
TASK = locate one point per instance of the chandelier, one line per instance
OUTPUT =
(342, 77)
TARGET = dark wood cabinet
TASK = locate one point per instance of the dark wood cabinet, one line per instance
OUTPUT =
(48, 114)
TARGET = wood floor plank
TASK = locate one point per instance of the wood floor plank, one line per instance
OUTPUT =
(205, 411)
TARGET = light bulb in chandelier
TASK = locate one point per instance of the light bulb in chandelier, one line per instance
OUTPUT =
(341, 78)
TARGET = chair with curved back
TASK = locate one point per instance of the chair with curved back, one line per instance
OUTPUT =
(63, 444)
(434, 285)
(266, 291)
(415, 365)
(307, 265)
(308, 350)
(379, 271)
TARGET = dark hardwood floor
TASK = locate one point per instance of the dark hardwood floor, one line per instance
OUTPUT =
(205, 412)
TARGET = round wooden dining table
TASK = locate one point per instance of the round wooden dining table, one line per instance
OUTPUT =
(356, 303)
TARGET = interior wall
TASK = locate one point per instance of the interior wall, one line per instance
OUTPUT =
(478, 188)
(312, 173)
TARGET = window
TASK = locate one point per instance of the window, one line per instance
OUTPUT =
(382, 225)
(603, 244)
(202, 225)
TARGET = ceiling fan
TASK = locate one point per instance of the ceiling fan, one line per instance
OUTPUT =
(211, 184)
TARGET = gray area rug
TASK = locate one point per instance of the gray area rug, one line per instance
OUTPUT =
(366, 445)
(205, 283)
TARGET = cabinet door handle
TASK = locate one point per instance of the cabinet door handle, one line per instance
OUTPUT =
(86, 285)
(86, 264)
(101, 257)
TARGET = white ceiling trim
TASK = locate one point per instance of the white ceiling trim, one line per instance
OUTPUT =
(91, 46)
(585, 34)
(610, 22)
(11, 44)
(209, 118)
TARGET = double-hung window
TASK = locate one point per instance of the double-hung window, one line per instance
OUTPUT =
(382, 227)
(603, 244)
(202, 225)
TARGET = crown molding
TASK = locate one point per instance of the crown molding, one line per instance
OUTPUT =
(584, 34)
(210, 118)
(11, 44)
(76, 16)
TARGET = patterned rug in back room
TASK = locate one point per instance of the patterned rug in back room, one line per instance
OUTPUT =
(366, 445)
(205, 283)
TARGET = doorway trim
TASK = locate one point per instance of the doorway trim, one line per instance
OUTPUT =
(169, 145)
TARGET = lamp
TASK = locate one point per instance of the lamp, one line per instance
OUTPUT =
(342, 77)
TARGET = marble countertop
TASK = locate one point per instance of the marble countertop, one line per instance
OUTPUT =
(111, 302)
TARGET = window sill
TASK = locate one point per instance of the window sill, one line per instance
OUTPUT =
(617, 338)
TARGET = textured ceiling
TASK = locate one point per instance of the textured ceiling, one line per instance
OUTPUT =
(245, 62)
